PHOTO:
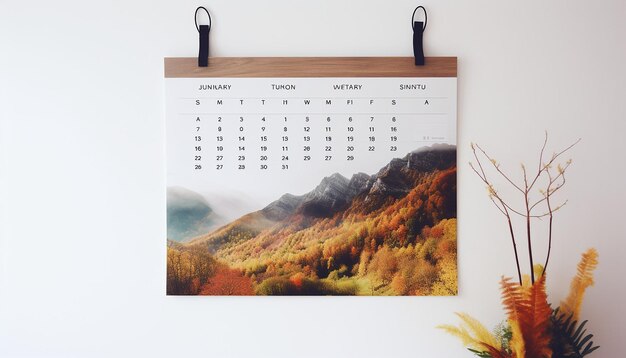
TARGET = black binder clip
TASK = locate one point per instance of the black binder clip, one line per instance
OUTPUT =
(418, 34)
(203, 30)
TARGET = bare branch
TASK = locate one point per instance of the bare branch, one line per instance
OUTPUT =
(548, 194)
(555, 209)
(477, 173)
(552, 180)
(497, 167)
(556, 179)
(543, 148)
(499, 208)
(492, 190)
(518, 212)
(554, 157)
(566, 149)
(493, 195)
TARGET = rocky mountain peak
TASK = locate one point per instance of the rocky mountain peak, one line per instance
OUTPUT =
(359, 183)
(336, 192)
(283, 207)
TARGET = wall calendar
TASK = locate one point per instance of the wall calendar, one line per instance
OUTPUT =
(311, 176)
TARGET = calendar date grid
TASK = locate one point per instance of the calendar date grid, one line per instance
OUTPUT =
(265, 141)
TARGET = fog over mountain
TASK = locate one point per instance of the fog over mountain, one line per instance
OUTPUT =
(188, 215)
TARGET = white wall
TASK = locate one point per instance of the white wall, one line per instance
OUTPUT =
(82, 169)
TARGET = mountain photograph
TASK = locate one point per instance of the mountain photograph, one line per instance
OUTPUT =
(392, 232)
(188, 215)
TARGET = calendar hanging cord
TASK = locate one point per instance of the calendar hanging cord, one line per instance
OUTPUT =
(203, 31)
(418, 35)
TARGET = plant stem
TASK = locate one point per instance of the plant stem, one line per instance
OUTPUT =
(548, 194)
(519, 271)
(530, 248)
(545, 266)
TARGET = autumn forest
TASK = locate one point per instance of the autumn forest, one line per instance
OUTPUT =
(391, 233)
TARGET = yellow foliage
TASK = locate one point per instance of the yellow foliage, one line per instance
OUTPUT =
(538, 270)
(525, 280)
(383, 246)
(473, 334)
(528, 314)
(363, 261)
(446, 285)
(582, 280)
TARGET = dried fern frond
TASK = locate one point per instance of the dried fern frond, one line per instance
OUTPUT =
(534, 321)
(473, 334)
(529, 316)
(481, 333)
(582, 280)
(462, 334)
(512, 298)
(570, 340)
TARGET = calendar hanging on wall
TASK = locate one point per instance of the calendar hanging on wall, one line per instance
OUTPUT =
(311, 176)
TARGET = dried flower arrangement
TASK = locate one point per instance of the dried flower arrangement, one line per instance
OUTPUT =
(533, 329)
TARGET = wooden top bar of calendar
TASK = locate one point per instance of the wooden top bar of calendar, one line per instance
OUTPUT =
(187, 67)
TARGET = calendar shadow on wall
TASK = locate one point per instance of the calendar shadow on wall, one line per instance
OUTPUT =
(388, 233)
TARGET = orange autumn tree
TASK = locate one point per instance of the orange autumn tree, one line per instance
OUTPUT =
(532, 329)
(228, 282)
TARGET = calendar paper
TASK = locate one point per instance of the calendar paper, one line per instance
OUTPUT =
(311, 186)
